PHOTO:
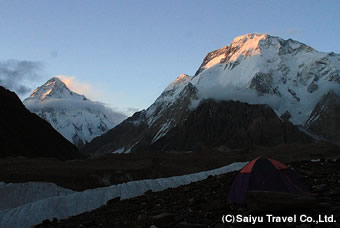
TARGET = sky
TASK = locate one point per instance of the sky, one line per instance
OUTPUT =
(125, 53)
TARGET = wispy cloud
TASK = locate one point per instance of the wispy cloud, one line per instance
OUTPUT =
(66, 105)
(17, 75)
(81, 87)
(91, 92)
(131, 111)
(231, 92)
(54, 54)
(94, 92)
(292, 32)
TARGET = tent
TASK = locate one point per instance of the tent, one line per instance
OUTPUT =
(265, 175)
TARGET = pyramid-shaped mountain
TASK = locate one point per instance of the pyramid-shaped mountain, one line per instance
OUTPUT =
(77, 118)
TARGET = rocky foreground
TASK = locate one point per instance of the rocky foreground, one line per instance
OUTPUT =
(202, 204)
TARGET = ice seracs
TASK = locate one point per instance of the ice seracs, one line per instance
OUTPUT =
(77, 118)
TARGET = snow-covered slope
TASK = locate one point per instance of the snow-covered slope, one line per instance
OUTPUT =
(77, 118)
(67, 203)
(289, 76)
(259, 68)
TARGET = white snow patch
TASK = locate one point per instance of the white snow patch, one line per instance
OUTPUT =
(129, 150)
(123, 149)
(164, 129)
(119, 151)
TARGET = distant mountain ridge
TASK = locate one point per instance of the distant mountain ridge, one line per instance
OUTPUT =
(23, 133)
(77, 118)
(289, 76)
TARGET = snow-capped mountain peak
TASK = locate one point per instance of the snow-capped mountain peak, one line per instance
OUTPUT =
(249, 37)
(286, 75)
(77, 118)
(247, 45)
(55, 88)
(252, 44)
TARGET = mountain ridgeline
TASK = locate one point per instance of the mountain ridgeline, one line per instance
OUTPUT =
(23, 133)
(253, 92)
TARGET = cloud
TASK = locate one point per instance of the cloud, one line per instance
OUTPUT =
(54, 54)
(292, 32)
(234, 93)
(131, 111)
(98, 92)
(80, 87)
(66, 105)
(76, 105)
(16, 75)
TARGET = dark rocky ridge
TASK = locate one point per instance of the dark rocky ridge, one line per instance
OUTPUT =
(211, 124)
(230, 123)
(126, 132)
(23, 133)
(325, 118)
(262, 83)
(203, 203)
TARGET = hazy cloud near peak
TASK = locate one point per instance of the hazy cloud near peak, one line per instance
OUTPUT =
(17, 75)
(93, 92)
(132, 110)
(70, 105)
(80, 87)
(235, 93)
(291, 32)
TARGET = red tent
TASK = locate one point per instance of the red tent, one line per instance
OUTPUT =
(265, 174)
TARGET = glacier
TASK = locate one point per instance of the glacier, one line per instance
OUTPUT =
(51, 201)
